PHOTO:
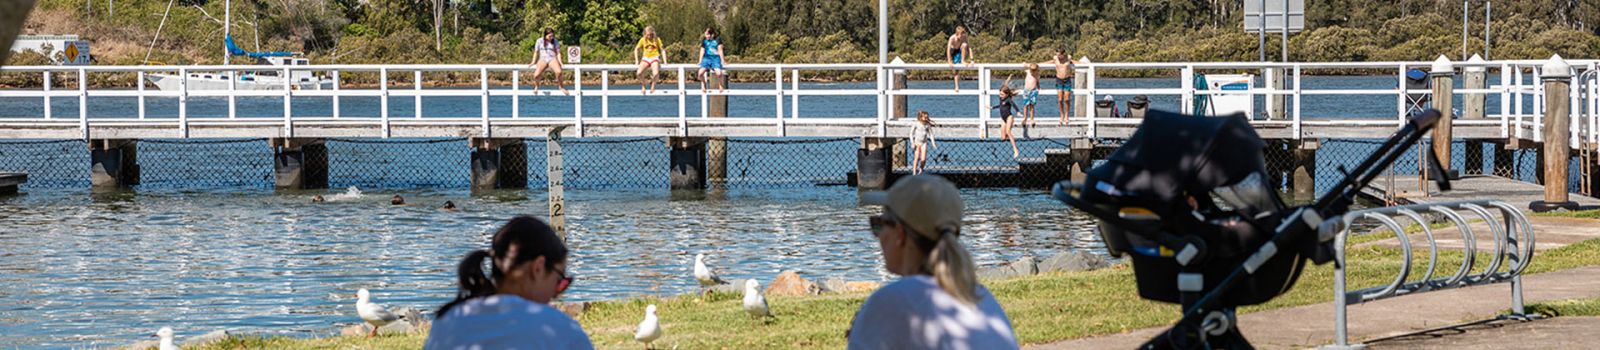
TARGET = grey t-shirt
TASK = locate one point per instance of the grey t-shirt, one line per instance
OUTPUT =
(914, 313)
(506, 322)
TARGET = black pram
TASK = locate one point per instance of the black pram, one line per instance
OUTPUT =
(1187, 199)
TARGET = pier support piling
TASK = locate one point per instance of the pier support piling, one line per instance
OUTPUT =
(299, 163)
(1082, 151)
(1443, 75)
(688, 163)
(113, 163)
(499, 163)
(716, 168)
(1557, 151)
(873, 163)
(1303, 175)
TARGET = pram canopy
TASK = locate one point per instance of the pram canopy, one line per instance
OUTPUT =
(1172, 156)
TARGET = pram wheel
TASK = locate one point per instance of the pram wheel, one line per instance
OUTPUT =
(1219, 330)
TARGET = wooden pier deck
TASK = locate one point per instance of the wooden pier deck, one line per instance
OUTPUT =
(1469, 187)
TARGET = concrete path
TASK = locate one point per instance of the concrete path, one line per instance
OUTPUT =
(1551, 333)
(1312, 325)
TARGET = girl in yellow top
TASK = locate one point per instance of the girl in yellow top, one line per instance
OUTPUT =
(652, 57)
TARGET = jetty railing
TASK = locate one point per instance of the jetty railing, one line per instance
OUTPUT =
(1508, 227)
(1519, 90)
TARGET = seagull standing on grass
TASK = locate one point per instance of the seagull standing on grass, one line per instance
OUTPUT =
(754, 303)
(649, 329)
(704, 275)
(166, 339)
(374, 314)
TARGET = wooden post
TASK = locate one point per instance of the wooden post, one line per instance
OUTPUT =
(1557, 146)
(113, 163)
(1274, 80)
(1303, 176)
(716, 148)
(1472, 108)
(1443, 75)
(1082, 104)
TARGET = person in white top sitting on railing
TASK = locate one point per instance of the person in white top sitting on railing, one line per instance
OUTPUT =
(547, 56)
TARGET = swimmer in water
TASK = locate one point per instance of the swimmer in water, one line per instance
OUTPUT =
(317, 199)
(397, 200)
(449, 206)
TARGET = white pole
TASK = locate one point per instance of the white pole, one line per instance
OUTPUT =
(1261, 33)
(227, 30)
(883, 31)
(1285, 41)
(1487, 6)
(1464, 30)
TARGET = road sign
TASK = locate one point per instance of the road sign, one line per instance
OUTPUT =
(1274, 15)
(76, 53)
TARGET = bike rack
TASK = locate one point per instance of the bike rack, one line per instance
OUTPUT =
(1513, 251)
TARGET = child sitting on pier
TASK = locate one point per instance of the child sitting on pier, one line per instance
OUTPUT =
(921, 138)
(1007, 107)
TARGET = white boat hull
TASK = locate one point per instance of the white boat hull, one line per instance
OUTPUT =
(172, 82)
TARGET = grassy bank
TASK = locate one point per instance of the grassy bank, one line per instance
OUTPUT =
(1043, 308)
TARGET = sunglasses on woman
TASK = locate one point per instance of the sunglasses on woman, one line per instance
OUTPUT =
(878, 222)
(566, 281)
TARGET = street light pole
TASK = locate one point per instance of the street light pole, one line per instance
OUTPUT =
(227, 30)
(1487, 7)
(1464, 30)
(883, 31)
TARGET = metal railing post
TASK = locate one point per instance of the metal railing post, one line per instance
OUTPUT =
(47, 84)
(383, 99)
(1505, 100)
(516, 95)
(288, 112)
(794, 101)
(336, 94)
(1094, 122)
(416, 103)
(140, 88)
(483, 83)
(777, 81)
(233, 78)
(983, 102)
(83, 102)
(605, 93)
(1187, 83)
(1297, 127)
(577, 98)
(683, 103)
(1400, 97)
(882, 115)
(183, 103)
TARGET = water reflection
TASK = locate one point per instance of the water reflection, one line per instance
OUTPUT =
(86, 268)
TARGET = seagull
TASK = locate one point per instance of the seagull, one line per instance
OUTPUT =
(754, 303)
(704, 275)
(649, 330)
(166, 339)
(374, 314)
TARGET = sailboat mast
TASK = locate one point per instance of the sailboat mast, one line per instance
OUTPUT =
(227, 29)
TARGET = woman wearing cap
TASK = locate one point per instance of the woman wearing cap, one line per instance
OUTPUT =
(509, 308)
(937, 303)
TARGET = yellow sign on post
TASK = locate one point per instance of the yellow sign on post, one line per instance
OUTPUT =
(75, 53)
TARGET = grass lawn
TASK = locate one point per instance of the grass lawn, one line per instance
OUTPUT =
(1043, 308)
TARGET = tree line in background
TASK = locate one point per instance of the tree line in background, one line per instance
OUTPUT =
(810, 31)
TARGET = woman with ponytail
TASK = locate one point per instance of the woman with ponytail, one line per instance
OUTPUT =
(937, 303)
(508, 308)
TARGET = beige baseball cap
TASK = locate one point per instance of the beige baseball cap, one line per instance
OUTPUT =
(922, 202)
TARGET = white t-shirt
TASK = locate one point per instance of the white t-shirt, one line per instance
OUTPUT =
(546, 49)
(914, 313)
(505, 322)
